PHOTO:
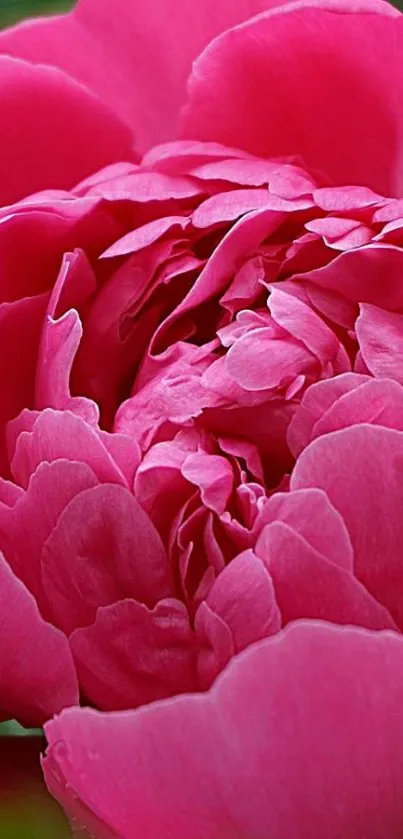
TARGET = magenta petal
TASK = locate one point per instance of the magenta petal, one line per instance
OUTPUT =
(243, 597)
(281, 85)
(132, 655)
(103, 548)
(307, 585)
(315, 403)
(25, 526)
(216, 644)
(37, 673)
(297, 739)
(60, 434)
(302, 510)
(55, 112)
(258, 361)
(214, 477)
(148, 49)
(360, 469)
(380, 337)
(376, 401)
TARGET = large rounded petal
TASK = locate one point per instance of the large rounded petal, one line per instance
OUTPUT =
(37, 674)
(103, 548)
(53, 130)
(360, 469)
(298, 738)
(148, 48)
(307, 81)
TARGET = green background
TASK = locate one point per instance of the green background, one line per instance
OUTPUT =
(26, 812)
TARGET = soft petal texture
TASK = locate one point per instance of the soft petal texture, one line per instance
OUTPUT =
(20, 325)
(28, 689)
(60, 434)
(55, 113)
(132, 655)
(243, 596)
(103, 548)
(343, 401)
(307, 585)
(298, 738)
(380, 336)
(245, 86)
(360, 469)
(302, 510)
(148, 50)
(26, 525)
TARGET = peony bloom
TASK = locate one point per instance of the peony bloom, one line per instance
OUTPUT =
(201, 430)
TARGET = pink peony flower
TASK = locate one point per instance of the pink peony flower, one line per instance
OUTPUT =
(200, 431)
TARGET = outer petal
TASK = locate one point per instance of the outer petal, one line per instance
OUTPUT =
(148, 49)
(53, 131)
(307, 81)
(296, 739)
(37, 674)
(360, 469)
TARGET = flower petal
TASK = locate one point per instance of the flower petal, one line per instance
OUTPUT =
(306, 81)
(360, 469)
(37, 674)
(297, 738)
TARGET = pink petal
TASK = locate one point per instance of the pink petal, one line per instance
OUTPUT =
(132, 655)
(103, 548)
(37, 673)
(376, 401)
(26, 525)
(306, 326)
(45, 116)
(213, 475)
(60, 434)
(360, 470)
(228, 206)
(60, 340)
(20, 326)
(47, 227)
(243, 238)
(365, 275)
(243, 597)
(260, 362)
(380, 337)
(307, 585)
(301, 510)
(276, 86)
(145, 235)
(216, 644)
(298, 738)
(148, 50)
(315, 403)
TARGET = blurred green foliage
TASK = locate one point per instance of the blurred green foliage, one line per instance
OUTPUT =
(26, 809)
(13, 10)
